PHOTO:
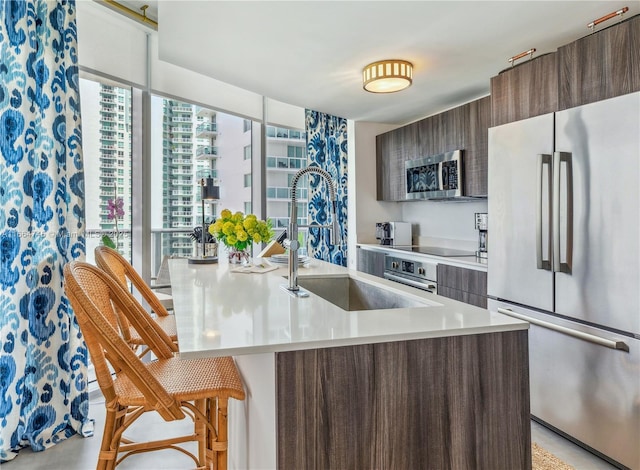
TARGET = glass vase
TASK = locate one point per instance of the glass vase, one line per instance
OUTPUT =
(237, 256)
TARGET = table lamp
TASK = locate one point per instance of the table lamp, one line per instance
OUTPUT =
(208, 192)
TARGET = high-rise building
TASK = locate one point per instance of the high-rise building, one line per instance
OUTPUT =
(106, 134)
(286, 155)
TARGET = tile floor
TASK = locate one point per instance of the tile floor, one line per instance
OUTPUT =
(80, 454)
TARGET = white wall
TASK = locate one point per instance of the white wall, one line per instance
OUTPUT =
(450, 220)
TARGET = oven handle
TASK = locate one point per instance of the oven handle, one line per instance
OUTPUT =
(430, 287)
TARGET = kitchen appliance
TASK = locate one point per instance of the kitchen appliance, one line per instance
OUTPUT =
(565, 255)
(420, 274)
(393, 233)
(482, 226)
(434, 177)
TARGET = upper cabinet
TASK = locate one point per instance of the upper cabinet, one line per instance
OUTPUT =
(476, 152)
(600, 66)
(526, 90)
(596, 67)
(462, 128)
(393, 148)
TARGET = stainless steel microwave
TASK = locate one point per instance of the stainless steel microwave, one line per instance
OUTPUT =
(435, 177)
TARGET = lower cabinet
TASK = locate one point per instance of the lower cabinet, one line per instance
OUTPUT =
(371, 262)
(465, 285)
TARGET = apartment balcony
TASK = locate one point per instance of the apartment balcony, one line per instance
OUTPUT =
(178, 192)
(200, 111)
(187, 225)
(181, 214)
(107, 184)
(108, 194)
(182, 151)
(107, 119)
(181, 161)
(181, 140)
(107, 147)
(182, 129)
(182, 246)
(181, 109)
(181, 172)
(206, 152)
(177, 119)
(181, 203)
(188, 182)
(207, 129)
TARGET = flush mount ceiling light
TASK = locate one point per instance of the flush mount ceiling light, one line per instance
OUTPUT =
(387, 76)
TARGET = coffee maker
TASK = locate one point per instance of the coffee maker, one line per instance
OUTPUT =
(482, 226)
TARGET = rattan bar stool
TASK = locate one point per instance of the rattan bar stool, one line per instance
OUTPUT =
(174, 387)
(112, 262)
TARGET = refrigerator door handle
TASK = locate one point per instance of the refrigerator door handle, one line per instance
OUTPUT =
(543, 159)
(558, 265)
(608, 343)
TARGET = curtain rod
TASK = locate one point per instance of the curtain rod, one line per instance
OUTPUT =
(141, 17)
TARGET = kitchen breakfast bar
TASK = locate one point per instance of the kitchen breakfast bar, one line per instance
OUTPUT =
(419, 382)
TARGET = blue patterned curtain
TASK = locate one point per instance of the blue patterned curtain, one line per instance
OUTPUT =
(43, 358)
(327, 149)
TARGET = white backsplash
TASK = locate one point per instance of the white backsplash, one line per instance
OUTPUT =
(444, 220)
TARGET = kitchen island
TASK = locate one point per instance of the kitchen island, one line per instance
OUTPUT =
(444, 385)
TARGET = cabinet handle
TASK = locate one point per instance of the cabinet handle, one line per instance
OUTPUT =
(621, 345)
(613, 14)
(530, 52)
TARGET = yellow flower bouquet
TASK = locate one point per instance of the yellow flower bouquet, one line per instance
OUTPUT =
(238, 231)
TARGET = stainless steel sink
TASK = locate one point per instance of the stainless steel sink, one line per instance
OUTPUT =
(352, 294)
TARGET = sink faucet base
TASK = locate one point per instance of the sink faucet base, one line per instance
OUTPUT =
(297, 292)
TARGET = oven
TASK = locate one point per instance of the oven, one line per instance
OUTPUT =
(418, 274)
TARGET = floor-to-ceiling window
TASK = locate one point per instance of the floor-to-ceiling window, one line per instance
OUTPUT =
(190, 143)
(106, 142)
(286, 155)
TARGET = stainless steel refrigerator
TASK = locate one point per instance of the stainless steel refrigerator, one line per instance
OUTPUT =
(564, 210)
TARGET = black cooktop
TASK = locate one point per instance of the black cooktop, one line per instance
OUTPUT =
(436, 251)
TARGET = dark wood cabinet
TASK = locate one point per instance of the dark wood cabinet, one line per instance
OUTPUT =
(439, 403)
(371, 262)
(462, 128)
(465, 285)
(393, 148)
(634, 46)
(476, 152)
(599, 66)
(443, 132)
(526, 90)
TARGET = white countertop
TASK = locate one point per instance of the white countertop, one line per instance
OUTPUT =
(470, 262)
(223, 313)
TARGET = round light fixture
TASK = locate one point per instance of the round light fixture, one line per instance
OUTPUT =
(387, 76)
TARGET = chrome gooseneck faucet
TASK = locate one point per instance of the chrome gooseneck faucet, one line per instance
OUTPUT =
(292, 243)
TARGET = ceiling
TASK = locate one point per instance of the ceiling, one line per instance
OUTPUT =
(311, 53)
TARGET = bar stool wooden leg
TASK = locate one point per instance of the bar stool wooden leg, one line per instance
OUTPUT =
(201, 432)
(222, 433)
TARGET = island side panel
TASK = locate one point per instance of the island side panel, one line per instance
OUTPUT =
(324, 410)
(446, 403)
(252, 422)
